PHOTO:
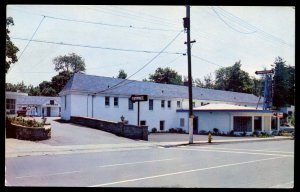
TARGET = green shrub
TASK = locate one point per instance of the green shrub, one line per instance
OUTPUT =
(24, 122)
(154, 130)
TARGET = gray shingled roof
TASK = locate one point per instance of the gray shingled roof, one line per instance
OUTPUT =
(92, 84)
(36, 100)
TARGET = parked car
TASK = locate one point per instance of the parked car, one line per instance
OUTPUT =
(22, 112)
(286, 127)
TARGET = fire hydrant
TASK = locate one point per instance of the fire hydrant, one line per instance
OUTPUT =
(209, 137)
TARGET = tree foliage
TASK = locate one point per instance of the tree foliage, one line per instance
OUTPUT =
(166, 76)
(122, 74)
(233, 79)
(59, 81)
(69, 63)
(10, 49)
(283, 84)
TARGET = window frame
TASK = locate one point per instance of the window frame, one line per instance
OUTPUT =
(151, 105)
(130, 105)
(169, 103)
(107, 101)
(116, 101)
(162, 104)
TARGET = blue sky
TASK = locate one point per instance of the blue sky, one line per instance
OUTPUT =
(110, 38)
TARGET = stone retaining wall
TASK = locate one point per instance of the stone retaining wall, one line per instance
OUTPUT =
(30, 133)
(120, 129)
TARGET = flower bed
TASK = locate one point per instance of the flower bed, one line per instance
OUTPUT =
(19, 128)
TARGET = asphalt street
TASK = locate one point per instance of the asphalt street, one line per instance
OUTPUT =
(264, 164)
(85, 157)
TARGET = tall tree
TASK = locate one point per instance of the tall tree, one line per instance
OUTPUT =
(59, 81)
(70, 63)
(199, 83)
(10, 49)
(283, 84)
(33, 91)
(122, 74)
(208, 82)
(233, 79)
(16, 87)
(166, 76)
(257, 86)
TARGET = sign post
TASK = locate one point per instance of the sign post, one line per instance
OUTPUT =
(138, 98)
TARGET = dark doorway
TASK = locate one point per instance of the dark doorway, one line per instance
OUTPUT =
(195, 125)
(48, 111)
(257, 123)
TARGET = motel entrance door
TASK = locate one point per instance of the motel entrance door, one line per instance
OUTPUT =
(48, 111)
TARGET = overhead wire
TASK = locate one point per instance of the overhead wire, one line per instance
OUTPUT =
(101, 23)
(230, 25)
(245, 24)
(29, 40)
(119, 84)
(96, 47)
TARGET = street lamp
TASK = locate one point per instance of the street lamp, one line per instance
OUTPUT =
(122, 118)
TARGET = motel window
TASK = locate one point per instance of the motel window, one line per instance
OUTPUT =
(116, 101)
(178, 104)
(143, 122)
(161, 125)
(242, 123)
(194, 104)
(150, 104)
(106, 101)
(181, 122)
(169, 104)
(51, 102)
(162, 103)
(10, 106)
(130, 104)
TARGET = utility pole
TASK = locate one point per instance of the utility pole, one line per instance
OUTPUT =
(186, 24)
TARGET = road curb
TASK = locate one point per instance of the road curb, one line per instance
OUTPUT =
(224, 141)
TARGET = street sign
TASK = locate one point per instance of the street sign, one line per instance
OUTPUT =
(135, 98)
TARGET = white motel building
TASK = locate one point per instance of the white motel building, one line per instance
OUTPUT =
(34, 105)
(107, 99)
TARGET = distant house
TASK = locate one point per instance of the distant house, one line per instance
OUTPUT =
(108, 99)
(35, 105)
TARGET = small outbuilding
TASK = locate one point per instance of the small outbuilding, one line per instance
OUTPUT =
(227, 118)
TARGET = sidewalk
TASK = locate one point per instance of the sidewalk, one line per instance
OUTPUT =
(17, 148)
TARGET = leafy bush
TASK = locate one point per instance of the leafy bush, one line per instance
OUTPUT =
(179, 130)
(154, 130)
(172, 130)
(216, 131)
(255, 133)
(231, 133)
(24, 122)
(243, 134)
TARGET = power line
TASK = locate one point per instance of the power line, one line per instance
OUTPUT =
(122, 15)
(249, 26)
(229, 25)
(111, 25)
(95, 47)
(101, 23)
(207, 61)
(30, 39)
(119, 84)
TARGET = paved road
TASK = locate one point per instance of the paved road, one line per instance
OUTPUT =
(265, 164)
(80, 156)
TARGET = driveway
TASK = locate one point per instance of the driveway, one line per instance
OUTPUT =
(72, 134)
